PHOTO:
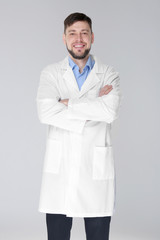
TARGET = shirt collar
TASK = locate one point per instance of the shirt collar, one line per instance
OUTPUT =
(89, 63)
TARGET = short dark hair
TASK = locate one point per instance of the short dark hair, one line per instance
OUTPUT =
(75, 17)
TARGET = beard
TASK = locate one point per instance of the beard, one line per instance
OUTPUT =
(79, 56)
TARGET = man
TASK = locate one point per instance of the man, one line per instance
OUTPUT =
(78, 98)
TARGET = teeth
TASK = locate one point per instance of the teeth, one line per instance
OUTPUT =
(78, 45)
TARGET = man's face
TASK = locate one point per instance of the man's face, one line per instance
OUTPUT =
(78, 39)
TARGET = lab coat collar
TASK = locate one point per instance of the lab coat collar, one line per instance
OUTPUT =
(89, 63)
(98, 67)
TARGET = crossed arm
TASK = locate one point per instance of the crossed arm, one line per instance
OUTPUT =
(103, 91)
(72, 114)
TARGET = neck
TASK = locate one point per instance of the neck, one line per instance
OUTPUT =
(80, 62)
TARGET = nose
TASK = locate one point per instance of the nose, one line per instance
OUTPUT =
(79, 37)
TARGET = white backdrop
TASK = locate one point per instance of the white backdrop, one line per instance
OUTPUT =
(127, 36)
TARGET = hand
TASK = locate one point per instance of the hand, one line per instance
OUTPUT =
(64, 101)
(105, 90)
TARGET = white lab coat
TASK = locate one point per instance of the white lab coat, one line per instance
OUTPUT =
(79, 170)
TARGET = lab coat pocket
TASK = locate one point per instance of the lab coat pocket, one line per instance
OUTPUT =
(53, 156)
(103, 163)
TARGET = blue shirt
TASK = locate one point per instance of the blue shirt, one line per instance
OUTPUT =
(81, 77)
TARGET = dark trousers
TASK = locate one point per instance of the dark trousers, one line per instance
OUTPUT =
(59, 227)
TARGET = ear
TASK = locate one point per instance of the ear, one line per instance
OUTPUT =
(92, 38)
(64, 38)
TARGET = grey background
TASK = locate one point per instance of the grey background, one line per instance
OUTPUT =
(127, 36)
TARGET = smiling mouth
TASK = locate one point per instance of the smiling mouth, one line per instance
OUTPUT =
(78, 46)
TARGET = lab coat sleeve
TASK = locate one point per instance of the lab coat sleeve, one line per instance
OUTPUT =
(104, 108)
(50, 110)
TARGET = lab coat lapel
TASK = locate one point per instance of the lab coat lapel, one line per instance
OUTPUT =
(90, 82)
(69, 77)
(92, 79)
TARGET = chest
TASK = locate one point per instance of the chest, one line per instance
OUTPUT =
(68, 87)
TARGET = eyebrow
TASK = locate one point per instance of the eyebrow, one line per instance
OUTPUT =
(71, 30)
(85, 30)
(81, 30)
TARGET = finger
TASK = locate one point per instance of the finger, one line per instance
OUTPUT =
(107, 91)
(107, 87)
(101, 92)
